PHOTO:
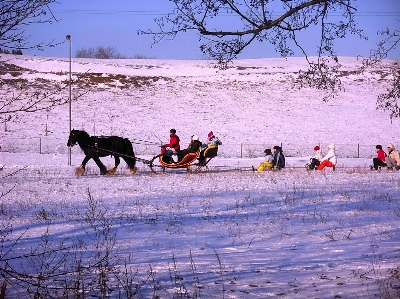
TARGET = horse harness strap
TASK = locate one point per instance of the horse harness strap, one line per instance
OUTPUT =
(96, 144)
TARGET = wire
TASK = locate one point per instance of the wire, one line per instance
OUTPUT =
(159, 13)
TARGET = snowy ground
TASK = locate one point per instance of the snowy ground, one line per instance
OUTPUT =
(225, 233)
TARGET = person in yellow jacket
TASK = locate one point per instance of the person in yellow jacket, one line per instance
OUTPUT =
(268, 163)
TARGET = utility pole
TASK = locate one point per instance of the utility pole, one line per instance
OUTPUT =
(68, 37)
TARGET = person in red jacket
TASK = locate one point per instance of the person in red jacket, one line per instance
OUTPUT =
(171, 148)
(380, 160)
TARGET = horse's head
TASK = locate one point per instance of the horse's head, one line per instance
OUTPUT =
(80, 137)
(72, 139)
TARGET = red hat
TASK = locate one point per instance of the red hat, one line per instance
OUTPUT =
(211, 134)
(316, 148)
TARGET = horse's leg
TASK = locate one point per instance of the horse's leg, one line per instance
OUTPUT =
(103, 169)
(112, 170)
(130, 156)
(131, 163)
(80, 170)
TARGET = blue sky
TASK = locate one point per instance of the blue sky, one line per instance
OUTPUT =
(115, 23)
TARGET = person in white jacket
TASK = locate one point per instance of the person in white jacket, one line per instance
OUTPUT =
(330, 159)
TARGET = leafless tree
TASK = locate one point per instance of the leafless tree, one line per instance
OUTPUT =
(25, 98)
(20, 95)
(275, 21)
(17, 94)
(388, 101)
(15, 15)
(99, 53)
(278, 22)
(281, 23)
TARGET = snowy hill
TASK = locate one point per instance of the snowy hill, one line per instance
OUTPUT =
(253, 103)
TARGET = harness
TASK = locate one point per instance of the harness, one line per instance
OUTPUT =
(96, 141)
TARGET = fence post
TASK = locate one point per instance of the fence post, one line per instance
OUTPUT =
(358, 150)
(241, 150)
(40, 145)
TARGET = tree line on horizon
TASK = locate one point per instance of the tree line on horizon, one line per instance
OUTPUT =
(101, 52)
(14, 52)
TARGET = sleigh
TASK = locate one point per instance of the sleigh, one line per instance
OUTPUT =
(160, 164)
(209, 154)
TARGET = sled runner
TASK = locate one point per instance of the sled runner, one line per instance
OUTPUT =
(160, 162)
(209, 154)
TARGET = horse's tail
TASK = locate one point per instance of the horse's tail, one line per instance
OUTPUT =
(129, 153)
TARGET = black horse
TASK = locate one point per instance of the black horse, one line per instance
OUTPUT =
(96, 146)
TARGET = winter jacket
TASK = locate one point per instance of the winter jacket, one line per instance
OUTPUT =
(330, 156)
(194, 146)
(318, 155)
(269, 158)
(381, 155)
(279, 159)
(212, 141)
(394, 154)
(174, 142)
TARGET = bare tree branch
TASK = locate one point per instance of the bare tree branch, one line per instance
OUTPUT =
(17, 14)
(388, 101)
(256, 21)
(19, 94)
(264, 21)
(26, 98)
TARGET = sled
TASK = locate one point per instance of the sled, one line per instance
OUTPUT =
(209, 154)
(158, 164)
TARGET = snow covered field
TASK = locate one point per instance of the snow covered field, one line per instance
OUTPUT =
(225, 233)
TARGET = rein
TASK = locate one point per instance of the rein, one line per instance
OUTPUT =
(137, 141)
(145, 142)
(120, 155)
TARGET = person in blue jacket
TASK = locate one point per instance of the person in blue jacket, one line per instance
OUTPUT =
(279, 158)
